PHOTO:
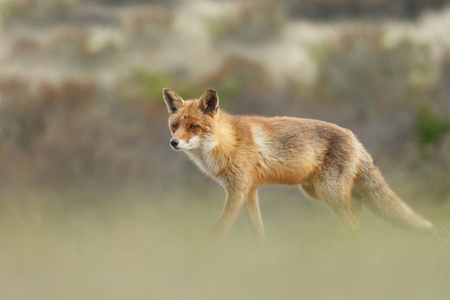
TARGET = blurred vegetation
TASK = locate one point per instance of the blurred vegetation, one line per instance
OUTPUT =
(95, 205)
(248, 23)
(430, 128)
(148, 25)
(338, 9)
(94, 73)
(369, 80)
(359, 67)
(34, 12)
(145, 85)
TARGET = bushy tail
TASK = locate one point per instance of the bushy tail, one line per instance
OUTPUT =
(372, 187)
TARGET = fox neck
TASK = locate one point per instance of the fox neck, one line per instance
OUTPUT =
(216, 148)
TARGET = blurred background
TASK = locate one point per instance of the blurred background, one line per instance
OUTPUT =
(95, 205)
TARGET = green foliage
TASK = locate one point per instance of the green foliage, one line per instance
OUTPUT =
(430, 127)
(236, 77)
(145, 84)
(359, 67)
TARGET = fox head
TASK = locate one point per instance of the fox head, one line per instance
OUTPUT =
(192, 122)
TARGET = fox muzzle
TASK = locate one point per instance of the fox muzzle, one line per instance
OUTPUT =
(174, 143)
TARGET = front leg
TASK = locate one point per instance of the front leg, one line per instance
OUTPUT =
(233, 205)
(254, 214)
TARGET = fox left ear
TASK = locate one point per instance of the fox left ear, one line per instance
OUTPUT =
(209, 102)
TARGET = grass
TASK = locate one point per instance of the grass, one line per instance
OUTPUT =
(79, 244)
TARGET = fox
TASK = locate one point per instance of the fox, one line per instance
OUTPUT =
(243, 153)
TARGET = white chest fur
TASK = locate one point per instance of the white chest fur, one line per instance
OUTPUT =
(203, 158)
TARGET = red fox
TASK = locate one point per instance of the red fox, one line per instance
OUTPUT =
(244, 153)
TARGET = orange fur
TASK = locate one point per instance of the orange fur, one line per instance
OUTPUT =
(244, 153)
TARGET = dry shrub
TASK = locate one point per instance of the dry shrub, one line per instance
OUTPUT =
(70, 44)
(13, 87)
(27, 111)
(250, 22)
(24, 46)
(34, 12)
(65, 46)
(443, 86)
(66, 132)
(70, 94)
(335, 9)
(17, 118)
(45, 124)
(148, 24)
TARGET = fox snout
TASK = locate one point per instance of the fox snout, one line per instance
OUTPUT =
(174, 143)
(182, 145)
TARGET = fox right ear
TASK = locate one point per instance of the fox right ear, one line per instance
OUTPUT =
(173, 101)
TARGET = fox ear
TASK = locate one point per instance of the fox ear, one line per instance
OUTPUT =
(209, 102)
(173, 101)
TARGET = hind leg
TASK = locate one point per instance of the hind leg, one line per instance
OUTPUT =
(339, 199)
(345, 213)
(356, 207)
(346, 207)
(309, 190)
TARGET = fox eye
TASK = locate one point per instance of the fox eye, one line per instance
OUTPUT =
(175, 126)
(193, 127)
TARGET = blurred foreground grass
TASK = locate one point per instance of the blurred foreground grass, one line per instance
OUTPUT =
(127, 245)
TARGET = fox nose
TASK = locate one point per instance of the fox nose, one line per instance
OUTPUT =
(174, 143)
